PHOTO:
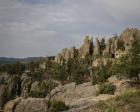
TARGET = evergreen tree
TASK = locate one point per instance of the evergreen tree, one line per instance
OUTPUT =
(102, 43)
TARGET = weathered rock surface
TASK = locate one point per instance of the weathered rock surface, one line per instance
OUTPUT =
(31, 105)
(128, 35)
(11, 105)
(26, 105)
(26, 82)
(65, 54)
(3, 95)
(122, 85)
(78, 97)
(114, 44)
(87, 47)
(8, 88)
(97, 50)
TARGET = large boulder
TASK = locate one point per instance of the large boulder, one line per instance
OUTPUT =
(71, 93)
(26, 105)
(11, 105)
(32, 105)
(35, 86)
(123, 84)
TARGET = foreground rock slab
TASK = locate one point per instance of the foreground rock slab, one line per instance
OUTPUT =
(26, 105)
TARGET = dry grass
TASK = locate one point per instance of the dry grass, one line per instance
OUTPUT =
(127, 102)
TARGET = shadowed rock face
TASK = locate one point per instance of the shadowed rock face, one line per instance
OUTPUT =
(26, 82)
(26, 105)
(8, 88)
(12, 86)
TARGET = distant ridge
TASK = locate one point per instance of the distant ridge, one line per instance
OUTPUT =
(5, 60)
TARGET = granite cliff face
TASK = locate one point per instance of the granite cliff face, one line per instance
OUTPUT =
(87, 48)
(12, 86)
(65, 54)
(113, 48)
(8, 88)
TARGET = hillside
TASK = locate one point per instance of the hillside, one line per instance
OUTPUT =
(77, 79)
(4, 60)
(127, 102)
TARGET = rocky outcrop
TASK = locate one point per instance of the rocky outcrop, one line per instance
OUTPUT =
(71, 94)
(114, 44)
(122, 85)
(97, 50)
(11, 105)
(24, 85)
(65, 55)
(8, 87)
(26, 105)
(3, 95)
(128, 36)
(26, 82)
(78, 97)
(87, 47)
(35, 86)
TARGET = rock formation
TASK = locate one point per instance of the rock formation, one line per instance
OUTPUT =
(26, 82)
(8, 88)
(97, 50)
(26, 105)
(114, 48)
(78, 97)
(128, 35)
(65, 54)
(23, 84)
(12, 86)
(87, 47)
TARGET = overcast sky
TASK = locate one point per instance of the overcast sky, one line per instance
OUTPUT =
(44, 27)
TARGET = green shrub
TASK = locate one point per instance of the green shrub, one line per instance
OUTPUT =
(40, 94)
(100, 74)
(106, 88)
(58, 106)
(128, 102)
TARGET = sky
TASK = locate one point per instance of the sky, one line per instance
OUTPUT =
(44, 27)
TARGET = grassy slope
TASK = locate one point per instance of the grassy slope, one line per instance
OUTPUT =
(128, 102)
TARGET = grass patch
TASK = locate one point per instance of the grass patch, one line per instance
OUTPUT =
(127, 102)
